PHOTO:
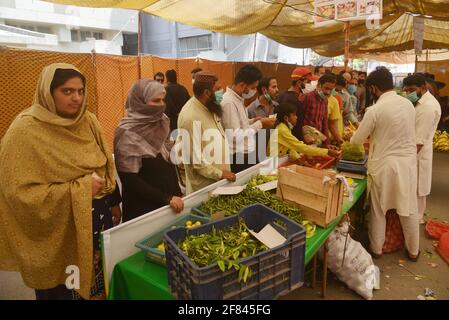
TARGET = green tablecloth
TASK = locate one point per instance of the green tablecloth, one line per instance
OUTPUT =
(135, 278)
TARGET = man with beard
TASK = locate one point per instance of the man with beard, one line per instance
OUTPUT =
(200, 118)
(428, 113)
(392, 174)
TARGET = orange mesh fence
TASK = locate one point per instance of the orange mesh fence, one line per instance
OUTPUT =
(147, 70)
(109, 79)
(184, 69)
(20, 70)
(115, 76)
(225, 71)
(441, 71)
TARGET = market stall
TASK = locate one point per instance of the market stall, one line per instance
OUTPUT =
(135, 278)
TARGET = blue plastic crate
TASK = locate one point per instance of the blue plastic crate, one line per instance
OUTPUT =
(150, 243)
(196, 210)
(275, 272)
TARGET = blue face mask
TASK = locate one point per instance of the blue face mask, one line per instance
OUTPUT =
(413, 97)
(219, 96)
(352, 89)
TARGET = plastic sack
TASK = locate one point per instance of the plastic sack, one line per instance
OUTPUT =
(394, 237)
(318, 137)
(357, 270)
(353, 151)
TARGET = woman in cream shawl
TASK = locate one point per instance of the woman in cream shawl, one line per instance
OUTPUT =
(53, 163)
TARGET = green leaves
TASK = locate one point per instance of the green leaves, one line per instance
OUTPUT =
(224, 247)
(233, 204)
(244, 273)
(221, 265)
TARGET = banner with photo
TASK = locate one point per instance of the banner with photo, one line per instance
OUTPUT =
(328, 12)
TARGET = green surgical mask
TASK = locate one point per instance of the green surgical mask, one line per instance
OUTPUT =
(290, 126)
(413, 97)
(219, 96)
(267, 97)
(334, 93)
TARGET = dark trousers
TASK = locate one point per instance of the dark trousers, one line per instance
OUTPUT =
(58, 293)
(238, 165)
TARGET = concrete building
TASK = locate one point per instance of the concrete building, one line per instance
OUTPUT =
(174, 40)
(47, 26)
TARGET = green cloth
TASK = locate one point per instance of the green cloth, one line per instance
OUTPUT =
(135, 278)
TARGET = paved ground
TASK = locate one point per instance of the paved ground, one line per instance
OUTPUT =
(396, 283)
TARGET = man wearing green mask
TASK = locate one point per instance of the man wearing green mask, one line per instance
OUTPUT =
(428, 113)
(264, 105)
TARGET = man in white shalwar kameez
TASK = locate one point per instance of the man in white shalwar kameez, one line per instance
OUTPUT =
(392, 176)
(428, 113)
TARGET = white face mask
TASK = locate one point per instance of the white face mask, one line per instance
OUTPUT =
(249, 95)
(290, 126)
(309, 87)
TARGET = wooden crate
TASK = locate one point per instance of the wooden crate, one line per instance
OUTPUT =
(303, 187)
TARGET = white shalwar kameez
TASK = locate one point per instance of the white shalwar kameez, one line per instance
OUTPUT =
(392, 162)
(428, 113)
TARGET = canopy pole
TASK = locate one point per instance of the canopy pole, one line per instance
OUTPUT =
(347, 30)
(138, 46)
(416, 63)
(254, 48)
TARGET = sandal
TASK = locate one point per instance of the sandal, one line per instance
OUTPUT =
(411, 258)
(374, 255)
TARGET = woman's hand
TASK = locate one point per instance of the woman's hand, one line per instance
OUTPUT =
(97, 184)
(116, 215)
(333, 152)
(177, 204)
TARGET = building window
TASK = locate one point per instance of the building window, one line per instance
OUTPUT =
(98, 35)
(75, 35)
(192, 46)
(30, 28)
(43, 29)
(84, 35)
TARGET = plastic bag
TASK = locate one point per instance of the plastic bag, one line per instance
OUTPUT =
(353, 152)
(357, 270)
(318, 137)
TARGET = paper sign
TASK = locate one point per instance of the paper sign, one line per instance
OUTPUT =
(418, 33)
(329, 11)
(269, 236)
(228, 190)
(268, 186)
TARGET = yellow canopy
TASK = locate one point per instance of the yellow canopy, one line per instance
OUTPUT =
(290, 22)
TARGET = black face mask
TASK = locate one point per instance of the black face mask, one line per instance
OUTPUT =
(372, 92)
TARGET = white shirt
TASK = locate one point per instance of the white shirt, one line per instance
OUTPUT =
(428, 113)
(390, 124)
(235, 117)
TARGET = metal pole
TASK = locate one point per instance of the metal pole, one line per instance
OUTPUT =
(347, 33)
(139, 62)
(255, 42)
